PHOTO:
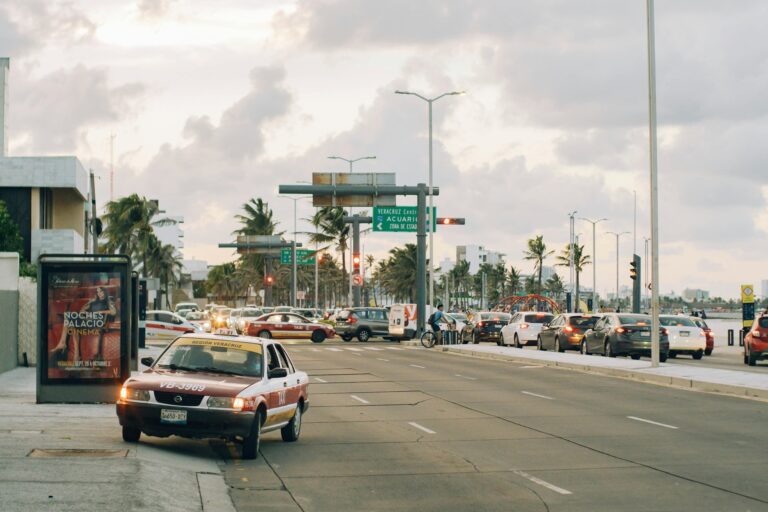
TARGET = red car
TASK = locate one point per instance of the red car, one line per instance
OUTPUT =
(207, 385)
(756, 341)
(288, 325)
(708, 333)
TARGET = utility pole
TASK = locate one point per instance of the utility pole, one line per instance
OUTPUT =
(94, 217)
(572, 229)
(617, 235)
(357, 262)
(594, 223)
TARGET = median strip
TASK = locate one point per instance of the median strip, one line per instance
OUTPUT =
(542, 483)
(652, 422)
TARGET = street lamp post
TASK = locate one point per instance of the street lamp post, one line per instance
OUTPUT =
(294, 271)
(350, 162)
(594, 262)
(617, 235)
(431, 209)
(572, 229)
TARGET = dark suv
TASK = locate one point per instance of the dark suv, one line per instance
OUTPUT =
(362, 323)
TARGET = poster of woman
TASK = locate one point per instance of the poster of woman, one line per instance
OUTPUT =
(83, 325)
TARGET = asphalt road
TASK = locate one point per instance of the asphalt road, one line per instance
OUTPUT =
(391, 428)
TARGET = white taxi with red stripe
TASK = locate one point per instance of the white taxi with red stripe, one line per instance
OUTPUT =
(216, 385)
(167, 326)
(288, 325)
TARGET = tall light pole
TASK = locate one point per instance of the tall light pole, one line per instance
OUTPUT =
(655, 326)
(594, 262)
(617, 235)
(293, 248)
(572, 229)
(431, 208)
(350, 162)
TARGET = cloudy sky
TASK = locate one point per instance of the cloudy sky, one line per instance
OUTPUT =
(214, 103)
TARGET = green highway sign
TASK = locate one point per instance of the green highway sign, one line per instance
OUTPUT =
(303, 257)
(398, 218)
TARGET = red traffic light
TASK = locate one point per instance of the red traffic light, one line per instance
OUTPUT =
(269, 280)
(356, 261)
(451, 221)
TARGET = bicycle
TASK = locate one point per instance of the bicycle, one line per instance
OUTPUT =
(428, 339)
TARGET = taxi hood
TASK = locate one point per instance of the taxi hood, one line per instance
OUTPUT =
(193, 383)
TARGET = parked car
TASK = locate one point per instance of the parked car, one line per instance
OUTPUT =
(288, 325)
(484, 326)
(362, 323)
(624, 334)
(685, 337)
(524, 328)
(219, 386)
(248, 314)
(166, 326)
(708, 333)
(565, 331)
(756, 341)
(181, 306)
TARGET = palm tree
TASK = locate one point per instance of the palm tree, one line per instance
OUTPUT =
(537, 251)
(514, 280)
(397, 273)
(222, 281)
(130, 223)
(258, 219)
(580, 260)
(555, 286)
(462, 279)
(164, 263)
(330, 221)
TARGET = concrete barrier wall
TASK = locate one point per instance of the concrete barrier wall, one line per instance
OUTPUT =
(27, 321)
(9, 329)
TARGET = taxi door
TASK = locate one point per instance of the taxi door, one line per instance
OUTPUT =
(279, 409)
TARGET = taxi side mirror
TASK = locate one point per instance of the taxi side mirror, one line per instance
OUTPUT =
(277, 373)
(147, 361)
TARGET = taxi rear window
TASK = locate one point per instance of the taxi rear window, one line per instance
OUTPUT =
(227, 357)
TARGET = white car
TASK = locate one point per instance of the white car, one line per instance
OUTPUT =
(685, 337)
(247, 314)
(524, 328)
(167, 326)
(459, 319)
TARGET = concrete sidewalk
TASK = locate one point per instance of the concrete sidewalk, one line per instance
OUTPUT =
(732, 382)
(57, 457)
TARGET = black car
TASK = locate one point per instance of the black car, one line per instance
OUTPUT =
(484, 326)
(620, 334)
(565, 331)
(362, 323)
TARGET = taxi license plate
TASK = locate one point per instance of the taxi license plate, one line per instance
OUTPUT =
(684, 334)
(174, 416)
(645, 333)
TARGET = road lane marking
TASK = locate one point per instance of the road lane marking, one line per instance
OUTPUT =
(353, 349)
(361, 400)
(465, 377)
(652, 422)
(421, 427)
(417, 366)
(382, 359)
(373, 348)
(537, 395)
(315, 349)
(393, 348)
(541, 482)
(318, 379)
(332, 349)
(532, 366)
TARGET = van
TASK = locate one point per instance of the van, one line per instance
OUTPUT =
(403, 321)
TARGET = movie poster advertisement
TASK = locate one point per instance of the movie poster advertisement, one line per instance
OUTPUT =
(84, 327)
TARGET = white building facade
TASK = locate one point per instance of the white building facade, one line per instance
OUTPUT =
(476, 255)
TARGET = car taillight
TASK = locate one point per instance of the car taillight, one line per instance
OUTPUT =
(568, 328)
(351, 320)
(620, 330)
(665, 332)
(523, 326)
(755, 334)
(480, 324)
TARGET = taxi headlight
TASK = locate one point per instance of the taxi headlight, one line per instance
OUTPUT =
(207, 325)
(222, 402)
(134, 394)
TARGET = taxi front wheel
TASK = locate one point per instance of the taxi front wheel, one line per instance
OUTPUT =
(131, 434)
(252, 442)
(292, 430)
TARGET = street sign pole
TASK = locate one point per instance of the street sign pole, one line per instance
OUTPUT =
(356, 220)
(268, 286)
(421, 259)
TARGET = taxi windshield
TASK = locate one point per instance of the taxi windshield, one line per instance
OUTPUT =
(227, 357)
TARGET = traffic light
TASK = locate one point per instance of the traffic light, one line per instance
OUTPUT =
(269, 280)
(451, 221)
(356, 263)
(633, 269)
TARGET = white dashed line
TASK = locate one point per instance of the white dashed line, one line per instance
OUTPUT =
(382, 359)
(532, 366)
(353, 349)
(318, 379)
(417, 366)
(335, 349)
(361, 400)
(315, 349)
(465, 377)
(421, 427)
(652, 422)
(373, 348)
(536, 395)
(541, 482)
(393, 348)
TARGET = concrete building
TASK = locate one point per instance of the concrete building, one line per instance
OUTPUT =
(695, 295)
(45, 196)
(476, 255)
(445, 266)
(764, 288)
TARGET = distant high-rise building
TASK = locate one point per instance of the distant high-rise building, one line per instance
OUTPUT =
(695, 295)
(476, 255)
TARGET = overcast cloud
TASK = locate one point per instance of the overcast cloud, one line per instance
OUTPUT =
(555, 118)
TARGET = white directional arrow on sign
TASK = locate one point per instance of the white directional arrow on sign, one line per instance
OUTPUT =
(380, 226)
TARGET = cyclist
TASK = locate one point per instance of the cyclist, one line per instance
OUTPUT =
(434, 322)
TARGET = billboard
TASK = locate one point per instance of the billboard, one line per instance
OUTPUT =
(362, 179)
(85, 317)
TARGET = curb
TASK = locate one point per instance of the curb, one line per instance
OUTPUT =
(636, 375)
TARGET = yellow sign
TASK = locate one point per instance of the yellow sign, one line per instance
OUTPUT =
(747, 294)
(235, 345)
